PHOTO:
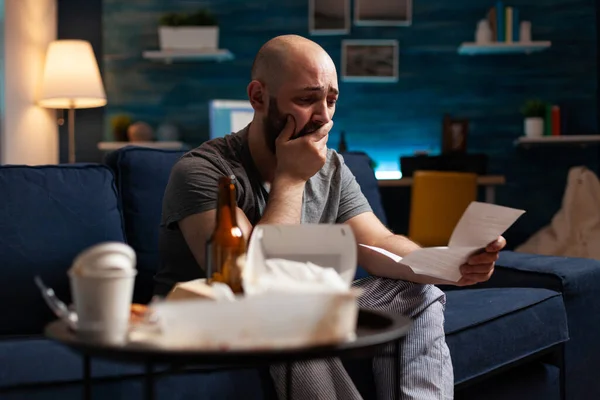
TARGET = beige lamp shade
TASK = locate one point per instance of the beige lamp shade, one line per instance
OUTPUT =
(71, 76)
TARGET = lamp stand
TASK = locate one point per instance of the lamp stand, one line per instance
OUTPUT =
(71, 134)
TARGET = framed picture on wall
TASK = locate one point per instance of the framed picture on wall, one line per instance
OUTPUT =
(454, 135)
(383, 12)
(328, 17)
(369, 60)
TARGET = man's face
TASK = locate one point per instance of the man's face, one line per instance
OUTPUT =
(275, 121)
(309, 95)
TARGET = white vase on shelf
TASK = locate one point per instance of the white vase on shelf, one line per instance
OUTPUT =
(534, 127)
(525, 32)
(483, 35)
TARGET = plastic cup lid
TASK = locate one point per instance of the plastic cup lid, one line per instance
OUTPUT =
(109, 259)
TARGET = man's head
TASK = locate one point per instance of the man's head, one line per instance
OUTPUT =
(293, 76)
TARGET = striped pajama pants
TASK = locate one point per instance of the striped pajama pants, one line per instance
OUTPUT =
(425, 364)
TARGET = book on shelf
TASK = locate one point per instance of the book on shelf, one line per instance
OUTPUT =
(508, 16)
(516, 25)
(556, 131)
(553, 121)
(505, 23)
(501, 21)
(548, 121)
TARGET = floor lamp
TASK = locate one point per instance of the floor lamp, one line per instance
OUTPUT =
(71, 80)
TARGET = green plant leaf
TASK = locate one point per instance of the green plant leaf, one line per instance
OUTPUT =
(198, 18)
(534, 108)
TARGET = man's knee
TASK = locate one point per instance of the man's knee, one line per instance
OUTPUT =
(407, 298)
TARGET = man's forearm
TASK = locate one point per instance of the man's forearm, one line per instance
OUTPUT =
(397, 244)
(285, 203)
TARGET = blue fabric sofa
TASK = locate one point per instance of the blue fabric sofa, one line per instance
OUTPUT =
(508, 338)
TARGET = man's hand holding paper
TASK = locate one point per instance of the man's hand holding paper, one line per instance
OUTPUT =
(472, 250)
(480, 266)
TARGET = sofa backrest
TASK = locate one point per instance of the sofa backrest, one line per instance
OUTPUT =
(142, 175)
(49, 214)
(360, 165)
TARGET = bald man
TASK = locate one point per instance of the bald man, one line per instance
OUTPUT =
(287, 175)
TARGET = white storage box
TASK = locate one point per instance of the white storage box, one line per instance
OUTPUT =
(302, 316)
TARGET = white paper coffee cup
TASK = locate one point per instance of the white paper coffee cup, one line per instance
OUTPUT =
(102, 281)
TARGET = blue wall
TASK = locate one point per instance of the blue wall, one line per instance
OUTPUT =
(385, 119)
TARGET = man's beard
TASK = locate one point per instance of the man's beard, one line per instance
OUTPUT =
(275, 121)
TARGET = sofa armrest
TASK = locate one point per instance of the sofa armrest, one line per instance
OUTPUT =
(563, 274)
(578, 279)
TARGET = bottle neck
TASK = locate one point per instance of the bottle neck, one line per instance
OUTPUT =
(226, 205)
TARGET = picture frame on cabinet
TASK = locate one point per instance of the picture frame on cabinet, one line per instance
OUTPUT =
(455, 132)
(370, 60)
(383, 12)
(329, 17)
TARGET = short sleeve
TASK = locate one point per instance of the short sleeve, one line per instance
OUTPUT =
(352, 200)
(192, 189)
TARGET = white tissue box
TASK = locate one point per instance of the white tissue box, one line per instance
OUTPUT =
(306, 315)
(258, 322)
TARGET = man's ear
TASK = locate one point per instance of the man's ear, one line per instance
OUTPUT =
(256, 95)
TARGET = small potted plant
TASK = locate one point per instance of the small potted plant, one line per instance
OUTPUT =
(534, 112)
(181, 31)
(120, 123)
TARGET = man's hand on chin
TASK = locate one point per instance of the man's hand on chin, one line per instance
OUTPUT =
(480, 267)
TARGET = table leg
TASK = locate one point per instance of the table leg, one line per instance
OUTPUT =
(288, 381)
(397, 369)
(149, 382)
(87, 378)
(490, 194)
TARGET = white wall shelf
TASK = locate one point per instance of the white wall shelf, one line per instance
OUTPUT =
(111, 146)
(200, 55)
(474, 49)
(582, 140)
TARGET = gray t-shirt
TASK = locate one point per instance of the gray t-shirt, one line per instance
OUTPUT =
(332, 195)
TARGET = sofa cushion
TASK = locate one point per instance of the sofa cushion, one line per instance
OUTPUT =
(490, 328)
(48, 214)
(39, 360)
(142, 175)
